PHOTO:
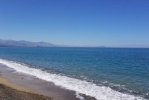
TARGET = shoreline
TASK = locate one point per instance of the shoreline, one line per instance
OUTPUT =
(30, 84)
(45, 85)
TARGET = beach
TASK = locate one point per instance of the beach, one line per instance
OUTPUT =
(12, 91)
(9, 91)
(21, 86)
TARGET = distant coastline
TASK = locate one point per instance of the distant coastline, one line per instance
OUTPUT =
(23, 43)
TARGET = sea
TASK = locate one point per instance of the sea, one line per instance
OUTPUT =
(102, 73)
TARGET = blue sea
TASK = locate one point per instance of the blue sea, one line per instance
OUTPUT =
(103, 73)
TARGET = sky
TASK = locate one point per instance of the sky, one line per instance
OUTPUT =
(111, 23)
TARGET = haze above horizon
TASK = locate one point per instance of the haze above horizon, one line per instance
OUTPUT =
(110, 23)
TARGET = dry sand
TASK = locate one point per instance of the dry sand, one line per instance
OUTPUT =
(10, 91)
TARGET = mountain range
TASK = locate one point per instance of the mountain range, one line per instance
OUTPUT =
(23, 43)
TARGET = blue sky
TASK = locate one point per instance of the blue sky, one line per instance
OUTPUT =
(114, 23)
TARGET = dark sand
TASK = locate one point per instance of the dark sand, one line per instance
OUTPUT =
(34, 85)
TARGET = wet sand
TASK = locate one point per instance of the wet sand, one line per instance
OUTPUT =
(30, 84)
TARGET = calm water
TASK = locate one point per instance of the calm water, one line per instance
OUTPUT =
(126, 70)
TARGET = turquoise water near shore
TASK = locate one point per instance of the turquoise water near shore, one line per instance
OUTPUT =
(123, 69)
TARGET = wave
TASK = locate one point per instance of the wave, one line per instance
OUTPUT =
(80, 86)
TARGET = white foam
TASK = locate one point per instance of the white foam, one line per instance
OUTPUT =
(87, 88)
(79, 96)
